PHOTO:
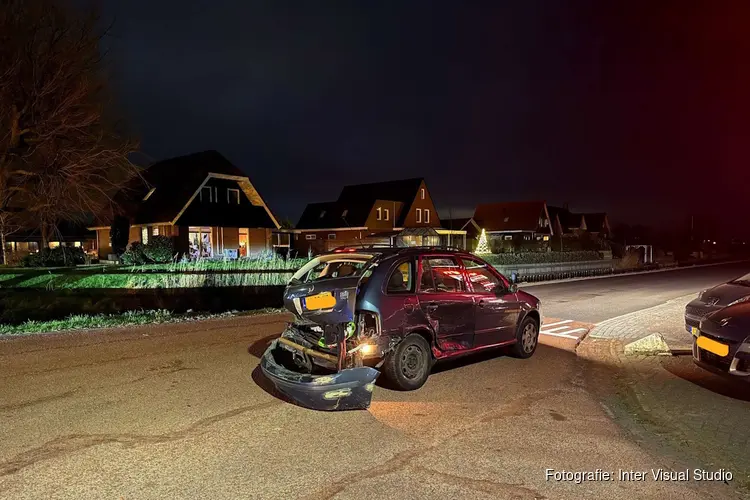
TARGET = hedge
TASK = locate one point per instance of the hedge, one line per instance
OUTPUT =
(504, 259)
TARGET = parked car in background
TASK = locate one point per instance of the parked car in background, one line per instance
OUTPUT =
(713, 299)
(361, 310)
(723, 341)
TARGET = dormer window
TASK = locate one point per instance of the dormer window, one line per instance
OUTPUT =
(148, 195)
(206, 194)
(233, 196)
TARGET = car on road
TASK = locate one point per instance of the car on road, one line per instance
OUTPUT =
(723, 341)
(713, 299)
(362, 310)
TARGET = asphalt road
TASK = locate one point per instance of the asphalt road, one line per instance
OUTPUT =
(181, 411)
(596, 300)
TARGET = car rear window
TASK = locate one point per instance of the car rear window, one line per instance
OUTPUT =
(332, 266)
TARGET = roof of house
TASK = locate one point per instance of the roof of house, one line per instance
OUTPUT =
(173, 182)
(509, 216)
(356, 203)
(595, 220)
(455, 224)
(567, 218)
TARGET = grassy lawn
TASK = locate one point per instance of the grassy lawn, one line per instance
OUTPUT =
(87, 322)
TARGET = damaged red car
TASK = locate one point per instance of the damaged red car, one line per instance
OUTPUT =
(360, 311)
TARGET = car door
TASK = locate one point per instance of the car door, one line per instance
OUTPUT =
(496, 309)
(398, 304)
(446, 302)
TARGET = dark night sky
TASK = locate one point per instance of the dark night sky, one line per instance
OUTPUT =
(629, 107)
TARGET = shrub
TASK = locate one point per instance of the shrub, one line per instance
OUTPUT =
(159, 249)
(134, 255)
(55, 257)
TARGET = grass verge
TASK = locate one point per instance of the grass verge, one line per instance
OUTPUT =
(130, 318)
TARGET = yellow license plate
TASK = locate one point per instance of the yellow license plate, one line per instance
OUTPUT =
(712, 346)
(322, 300)
(695, 331)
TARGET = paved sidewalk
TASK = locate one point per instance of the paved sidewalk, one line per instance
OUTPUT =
(671, 406)
(666, 319)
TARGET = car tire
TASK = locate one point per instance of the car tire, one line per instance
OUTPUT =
(527, 339)
(408, 366)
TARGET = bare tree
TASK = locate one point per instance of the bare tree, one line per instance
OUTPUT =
(61, 158)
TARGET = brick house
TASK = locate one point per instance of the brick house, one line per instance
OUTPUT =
(203, 202)
(393, 213)
(520, 225)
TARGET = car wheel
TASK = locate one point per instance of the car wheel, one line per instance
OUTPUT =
(527, 338)
(408, 366)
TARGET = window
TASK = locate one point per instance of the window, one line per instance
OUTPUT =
(233, 196)
(77, 244)
(482, 279)
(401, 279)
(332, 266)
(508, 237)
(148, 195)
(546, 238)
(421, 193)
(386, 214)
(156, 231)
(426, 216)
(332, 236)
(419, 215)
(441, 274)
(144, 235)
(527, 237)
(200, 242)
(380, 213)
(310, 236)
(206, 194)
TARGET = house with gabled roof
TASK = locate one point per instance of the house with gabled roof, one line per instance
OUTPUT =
(514, 225)
(399, 212)
(207, 205)
(566, 223)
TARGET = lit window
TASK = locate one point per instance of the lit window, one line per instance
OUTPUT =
(148, 195)
(380, 213)
(386, 214)
(546, 238)
(233, 196)
(419, 215)
(77, 244)
(309, 236)
(144, 235)
(508, 237)
(426, 216)
(156, 230)
(332, 236)
(54, 244)
(206, 194)
(422, 193)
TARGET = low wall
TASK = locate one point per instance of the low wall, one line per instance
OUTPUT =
(521, 273)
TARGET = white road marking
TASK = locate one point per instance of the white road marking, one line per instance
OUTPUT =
(560, 335)
(576, 330)
(557, 329)
(544, 325)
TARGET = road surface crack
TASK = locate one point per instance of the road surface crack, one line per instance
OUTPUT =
(75, 442)
(499, 489)
(403, 459)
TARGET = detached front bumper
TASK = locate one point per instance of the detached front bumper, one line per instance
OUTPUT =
(349, 389)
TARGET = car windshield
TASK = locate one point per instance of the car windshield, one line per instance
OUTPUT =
(332, 266)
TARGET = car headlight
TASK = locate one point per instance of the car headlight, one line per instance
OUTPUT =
(740, 301)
